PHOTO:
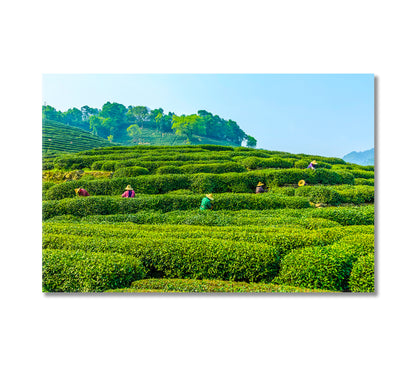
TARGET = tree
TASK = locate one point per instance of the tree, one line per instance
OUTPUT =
(164, 122)
(251, 142)
(234, 133)
(188, 126)
(134, 133)
(73, 117)
(110, 138)
(138, 114)
(96, 124)
(87, 112)
(49, 112)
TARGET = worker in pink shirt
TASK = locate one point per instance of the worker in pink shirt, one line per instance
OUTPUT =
(129, 192)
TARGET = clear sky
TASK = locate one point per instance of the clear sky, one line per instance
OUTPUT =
(322, 114)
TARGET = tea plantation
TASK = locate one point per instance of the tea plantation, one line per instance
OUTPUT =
(315, 238)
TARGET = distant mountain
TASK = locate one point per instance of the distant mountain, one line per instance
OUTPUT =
(360, 158)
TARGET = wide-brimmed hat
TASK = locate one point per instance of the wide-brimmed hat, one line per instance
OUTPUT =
(128, 188)
(77, 190)
(260, 184)
(209, 196)
(301, 183)
(313, 162)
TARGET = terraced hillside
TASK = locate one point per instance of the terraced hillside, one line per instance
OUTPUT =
(60, 138)
(318, 237)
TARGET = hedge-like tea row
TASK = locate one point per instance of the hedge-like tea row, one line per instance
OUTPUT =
(225, 167)
(308, 218)
(183, 258)
(362, 274)
(254, 163)
(159, 148)
(345, 216)
(219, 218)
(326, 267)
(362, 174)
(202, 183)
(195, 285)
(86, 161)
(363, 181)
(132, 171)
(92, 205)
(81, 271)
(283, 239)
(337, 194)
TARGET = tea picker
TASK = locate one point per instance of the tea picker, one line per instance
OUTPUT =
(312, 165)
(207, 202)
(259, 188)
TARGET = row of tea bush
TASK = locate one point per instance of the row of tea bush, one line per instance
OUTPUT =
(202, 183)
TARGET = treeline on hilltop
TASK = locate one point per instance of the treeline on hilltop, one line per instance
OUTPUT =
(119, 123)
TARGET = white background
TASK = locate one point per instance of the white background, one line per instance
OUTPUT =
(206, 334)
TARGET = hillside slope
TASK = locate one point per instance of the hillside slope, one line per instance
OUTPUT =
(155, 137)
(60, 138)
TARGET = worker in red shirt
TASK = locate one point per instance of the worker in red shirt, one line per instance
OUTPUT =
(81, 192)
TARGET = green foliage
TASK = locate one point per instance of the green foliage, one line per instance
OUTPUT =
(81, 271)
(183, 258)
(194, 285)
(134, 132)
(251, 142)
(301, 164)
(362, 174)
(92, 205)
(315, 267)
(132, 171)
(60, 138)
(363, 181)
(319, 194)
(225, 167)
(169, 170)
(362, 274)
(346, 216)
(253, 163)
(188, 125)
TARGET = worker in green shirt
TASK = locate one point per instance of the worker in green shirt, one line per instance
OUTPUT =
(207, 202)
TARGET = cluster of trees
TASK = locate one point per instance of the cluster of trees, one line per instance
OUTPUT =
(114, 121)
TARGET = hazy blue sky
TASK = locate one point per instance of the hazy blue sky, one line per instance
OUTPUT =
(329, 115)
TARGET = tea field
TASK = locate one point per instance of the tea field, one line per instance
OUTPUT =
(315, 238)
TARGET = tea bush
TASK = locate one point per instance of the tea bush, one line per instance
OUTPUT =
(316, 267)
(326, 267)
(253, 163)
(92, 205)
(301, 164)
(194, 285)
(355, 194)
(320, 194)
(132, 171)
(345, 216)
(169, 170)
(183, 258)
(283, 239)
(225, 167)
(362, 274)
(363, 174)
(202, 182)
(363, 181)
(81, 271)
